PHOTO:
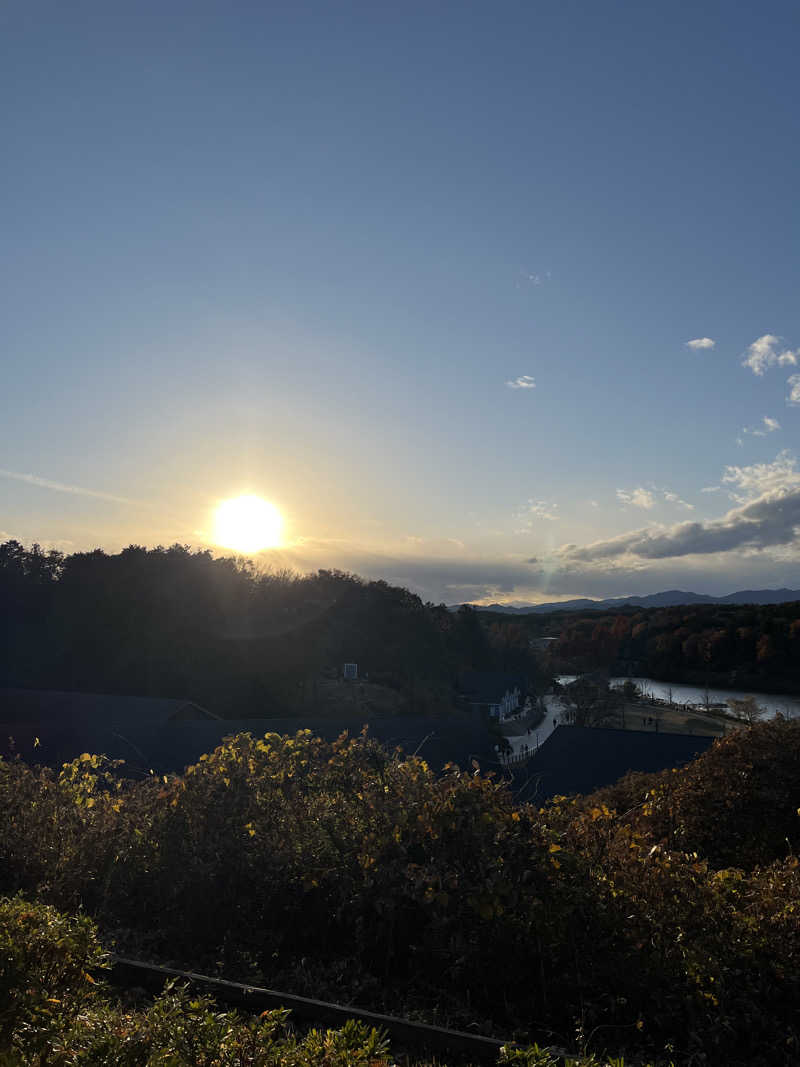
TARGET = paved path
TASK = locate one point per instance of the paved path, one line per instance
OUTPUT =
(538, 733)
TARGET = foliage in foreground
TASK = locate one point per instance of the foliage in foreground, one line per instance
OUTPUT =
(54, 1011)
(660, 916)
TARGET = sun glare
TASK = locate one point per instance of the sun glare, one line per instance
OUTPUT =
(247, 524)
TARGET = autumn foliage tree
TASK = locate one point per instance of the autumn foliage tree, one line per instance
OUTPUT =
(751, 645)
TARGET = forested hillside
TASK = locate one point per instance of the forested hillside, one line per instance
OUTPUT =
(172, 622)
(746, 645)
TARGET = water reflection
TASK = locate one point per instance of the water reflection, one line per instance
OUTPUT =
(692, 694)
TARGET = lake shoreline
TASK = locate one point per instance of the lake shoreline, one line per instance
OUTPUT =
(744, 683)
(683, 696)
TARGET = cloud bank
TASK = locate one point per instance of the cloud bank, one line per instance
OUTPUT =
(768, 516)
(772, 520)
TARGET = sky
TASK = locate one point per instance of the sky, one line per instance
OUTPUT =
(495, 301)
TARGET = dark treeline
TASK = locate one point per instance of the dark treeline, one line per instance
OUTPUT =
(171, 622)
(755, 646)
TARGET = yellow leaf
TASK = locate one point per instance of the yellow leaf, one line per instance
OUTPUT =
(555, 848)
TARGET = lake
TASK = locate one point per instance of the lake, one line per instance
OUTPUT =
(692, 694)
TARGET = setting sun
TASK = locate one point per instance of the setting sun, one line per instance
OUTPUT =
(247, 524)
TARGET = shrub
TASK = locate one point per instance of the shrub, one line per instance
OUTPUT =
(274, 851)
(337, 870)
(44, 953)
(736, 805)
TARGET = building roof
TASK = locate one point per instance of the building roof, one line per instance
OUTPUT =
(40, 706)
(580, 759)
(171, 745)
(488, 687)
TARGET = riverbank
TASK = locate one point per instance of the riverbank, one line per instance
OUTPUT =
(694, 699)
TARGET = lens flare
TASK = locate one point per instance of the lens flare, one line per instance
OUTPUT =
(247, 524)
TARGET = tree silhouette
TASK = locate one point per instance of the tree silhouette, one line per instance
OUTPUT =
(173, 622)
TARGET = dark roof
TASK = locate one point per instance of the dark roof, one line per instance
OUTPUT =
(40, 706)
(488, 687)
(170, 746)
(579, 759)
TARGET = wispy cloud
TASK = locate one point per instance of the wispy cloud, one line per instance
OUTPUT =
(60, 487)
(752, 481)
(711, 489)
(768, 425)
(673, 498)
(525, 381)
(542, 509)
(700, 343)
(646, 499)
(537, 279)
(764, 353)
(535, 510)
(794, 390)
(638, 498)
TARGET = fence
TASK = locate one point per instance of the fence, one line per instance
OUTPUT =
(514, 759)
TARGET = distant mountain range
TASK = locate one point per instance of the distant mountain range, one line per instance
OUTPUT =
(669, 598)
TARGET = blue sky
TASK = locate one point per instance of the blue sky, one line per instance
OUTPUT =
(301, 250)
